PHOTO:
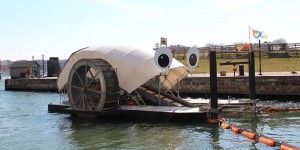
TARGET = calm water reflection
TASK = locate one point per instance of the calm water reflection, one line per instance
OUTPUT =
(26, 124)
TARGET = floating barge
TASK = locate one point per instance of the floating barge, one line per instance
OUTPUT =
(143, 112)
(98, 81)
(109, 83)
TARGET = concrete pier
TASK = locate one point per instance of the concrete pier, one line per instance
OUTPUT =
(41, 85)
(272, 84)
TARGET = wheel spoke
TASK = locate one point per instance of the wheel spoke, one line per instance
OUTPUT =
(80, 103)
(76, 87)
(75, 102)
(87, 101)
(91, 101)
(91, 73)
(93, 78)
(94, 91)
(78, 98)
(79, 77)
(97, 74)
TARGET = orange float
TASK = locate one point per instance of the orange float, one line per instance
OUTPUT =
(294, 109)
(285, 146)
(248, 134)
(266, 140)
(235, 129)
(225, 126)
(213, 120)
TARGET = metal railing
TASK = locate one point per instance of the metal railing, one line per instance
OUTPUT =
(285, 50)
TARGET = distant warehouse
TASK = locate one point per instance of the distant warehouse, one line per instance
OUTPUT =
(53, 67)
(23, 69)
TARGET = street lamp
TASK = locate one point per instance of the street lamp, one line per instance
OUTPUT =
(43, 56)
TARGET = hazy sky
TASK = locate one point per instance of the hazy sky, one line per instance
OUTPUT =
(59, 27)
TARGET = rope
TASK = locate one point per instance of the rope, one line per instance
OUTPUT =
(237, 57)
(63, 96)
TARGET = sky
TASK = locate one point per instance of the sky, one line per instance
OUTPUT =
(56, 28)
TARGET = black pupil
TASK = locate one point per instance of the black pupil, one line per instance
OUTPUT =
(193, 60)
(163, 60)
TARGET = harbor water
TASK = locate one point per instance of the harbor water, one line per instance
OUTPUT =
(26, 124)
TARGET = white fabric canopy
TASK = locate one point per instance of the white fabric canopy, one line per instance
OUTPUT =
(134, 66)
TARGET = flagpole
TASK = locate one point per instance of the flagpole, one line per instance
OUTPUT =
(259, 53)
(249, 34)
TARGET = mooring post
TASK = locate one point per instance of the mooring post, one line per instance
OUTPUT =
(251, 76)
(252, 91)
(213, 86)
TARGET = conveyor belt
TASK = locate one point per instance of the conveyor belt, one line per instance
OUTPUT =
(152, 95)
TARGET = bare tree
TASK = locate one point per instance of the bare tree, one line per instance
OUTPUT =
(279, 41)
(241, 42)
(213, 44)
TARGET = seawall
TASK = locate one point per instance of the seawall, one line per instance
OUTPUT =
(265, 85)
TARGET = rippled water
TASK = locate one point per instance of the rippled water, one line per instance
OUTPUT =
(26, 124)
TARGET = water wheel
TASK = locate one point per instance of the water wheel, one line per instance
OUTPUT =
(93, 85)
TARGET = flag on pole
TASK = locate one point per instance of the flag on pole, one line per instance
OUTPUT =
(163, 41)
(258, 34)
